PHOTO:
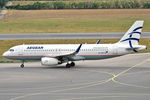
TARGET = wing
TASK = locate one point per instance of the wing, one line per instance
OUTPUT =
(67, 56)
(71, 54)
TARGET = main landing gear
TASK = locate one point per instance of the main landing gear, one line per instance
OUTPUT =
(22, 65)
(68, 65)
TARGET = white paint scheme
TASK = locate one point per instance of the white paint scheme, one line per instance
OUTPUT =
(61, 53)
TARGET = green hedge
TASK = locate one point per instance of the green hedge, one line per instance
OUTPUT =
(114, 4)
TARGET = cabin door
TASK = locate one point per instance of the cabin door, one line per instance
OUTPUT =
(20, 51)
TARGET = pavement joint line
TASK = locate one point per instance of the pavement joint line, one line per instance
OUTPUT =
(77, 88)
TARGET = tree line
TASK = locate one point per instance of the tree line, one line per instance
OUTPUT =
(114, 4)
(3, 3)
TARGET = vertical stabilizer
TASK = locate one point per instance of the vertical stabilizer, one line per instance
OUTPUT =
(132, 36)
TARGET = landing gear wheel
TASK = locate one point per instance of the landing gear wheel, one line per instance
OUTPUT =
(22, 65)
(72, 64)
(68, 65)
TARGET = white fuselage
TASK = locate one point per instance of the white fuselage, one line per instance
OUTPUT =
(87, 51)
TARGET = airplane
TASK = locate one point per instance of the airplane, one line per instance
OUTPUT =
(56, 54)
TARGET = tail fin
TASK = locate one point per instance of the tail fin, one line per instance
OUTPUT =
(132, 36)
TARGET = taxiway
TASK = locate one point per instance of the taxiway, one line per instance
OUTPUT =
(32, 36)
(122, 78)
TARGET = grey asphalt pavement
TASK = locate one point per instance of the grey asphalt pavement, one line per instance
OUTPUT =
(122, 78)
(111, 35)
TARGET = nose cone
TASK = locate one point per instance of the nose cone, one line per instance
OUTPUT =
(5, 54)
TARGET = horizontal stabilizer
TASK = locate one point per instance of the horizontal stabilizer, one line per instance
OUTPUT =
(137, 48)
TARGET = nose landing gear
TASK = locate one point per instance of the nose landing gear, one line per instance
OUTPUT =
(22, 65)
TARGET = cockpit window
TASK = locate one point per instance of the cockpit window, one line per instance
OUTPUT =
(11, 50)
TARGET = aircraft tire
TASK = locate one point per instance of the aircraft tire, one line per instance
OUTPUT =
(72, 64)
(68, 65)
(22, 65)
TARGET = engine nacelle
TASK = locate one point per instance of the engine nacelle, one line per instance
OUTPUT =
(49, 61)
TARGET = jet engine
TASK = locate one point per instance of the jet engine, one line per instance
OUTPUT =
(49, 61)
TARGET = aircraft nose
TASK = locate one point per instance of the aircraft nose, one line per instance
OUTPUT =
(5, 54)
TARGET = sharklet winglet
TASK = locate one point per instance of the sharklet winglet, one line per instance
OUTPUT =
(78, 49)
(98, 41)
